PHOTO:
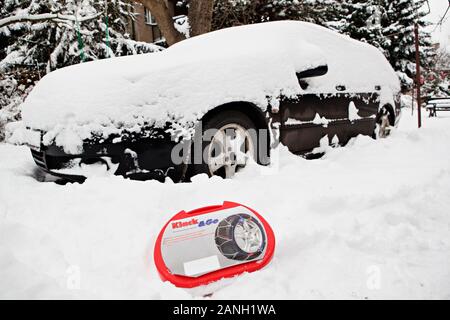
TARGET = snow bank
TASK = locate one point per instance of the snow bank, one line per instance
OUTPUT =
(367, 221)
(247, 63)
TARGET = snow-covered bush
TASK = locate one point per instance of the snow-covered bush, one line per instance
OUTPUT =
(12, 92)
(37, 37)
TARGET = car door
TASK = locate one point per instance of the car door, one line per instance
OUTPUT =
(362, 109)
(308, 118)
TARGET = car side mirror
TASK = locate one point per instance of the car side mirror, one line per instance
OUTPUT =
(315, 72)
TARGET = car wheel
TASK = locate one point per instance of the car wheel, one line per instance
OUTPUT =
(384, 123)
(228, 147)
(240, 237)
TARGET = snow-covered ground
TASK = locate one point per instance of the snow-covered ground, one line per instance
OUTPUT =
(371, 220)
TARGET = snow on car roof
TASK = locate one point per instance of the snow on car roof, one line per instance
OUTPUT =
(245, 63)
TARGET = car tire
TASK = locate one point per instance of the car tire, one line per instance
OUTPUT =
(230, 234)
(233, 120)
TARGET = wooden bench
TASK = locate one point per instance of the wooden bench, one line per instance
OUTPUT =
(437, 104)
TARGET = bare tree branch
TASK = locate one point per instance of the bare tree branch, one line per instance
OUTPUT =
(43, 17)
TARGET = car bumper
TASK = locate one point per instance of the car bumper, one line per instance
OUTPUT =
(140, 160)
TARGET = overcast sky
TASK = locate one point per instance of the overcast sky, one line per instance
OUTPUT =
(442, 33)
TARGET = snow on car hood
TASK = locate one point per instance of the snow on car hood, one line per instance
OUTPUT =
(248, 63)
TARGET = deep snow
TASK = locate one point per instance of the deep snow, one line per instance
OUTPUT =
(371, 220)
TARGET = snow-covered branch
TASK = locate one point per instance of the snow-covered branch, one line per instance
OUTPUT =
(44, 17)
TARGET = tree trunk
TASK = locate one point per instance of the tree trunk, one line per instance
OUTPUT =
(200, 16)
(163, 17)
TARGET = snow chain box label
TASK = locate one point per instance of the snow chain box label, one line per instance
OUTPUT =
(195, 247)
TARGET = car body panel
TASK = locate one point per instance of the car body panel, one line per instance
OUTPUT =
(305, 135)
(151, 158)
(141, 159)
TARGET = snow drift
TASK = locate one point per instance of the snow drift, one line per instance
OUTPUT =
(367, 221)
(249, 63)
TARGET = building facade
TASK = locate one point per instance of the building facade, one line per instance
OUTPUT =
(144, 27)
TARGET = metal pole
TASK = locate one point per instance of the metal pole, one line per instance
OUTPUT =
(419, 102)
(108, 48)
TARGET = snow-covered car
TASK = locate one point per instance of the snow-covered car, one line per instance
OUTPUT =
(290, 82)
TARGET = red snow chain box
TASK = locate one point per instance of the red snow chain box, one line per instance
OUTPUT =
(207, 244)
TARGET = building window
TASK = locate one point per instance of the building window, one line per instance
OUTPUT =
(149, 18)
(157, 36)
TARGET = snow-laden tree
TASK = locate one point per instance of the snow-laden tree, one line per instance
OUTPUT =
(363, 21)
(389, 26)
(82, 30)
(398, 28)
(37, 37)
(228, 13)
(330, 13)
(437, 80)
